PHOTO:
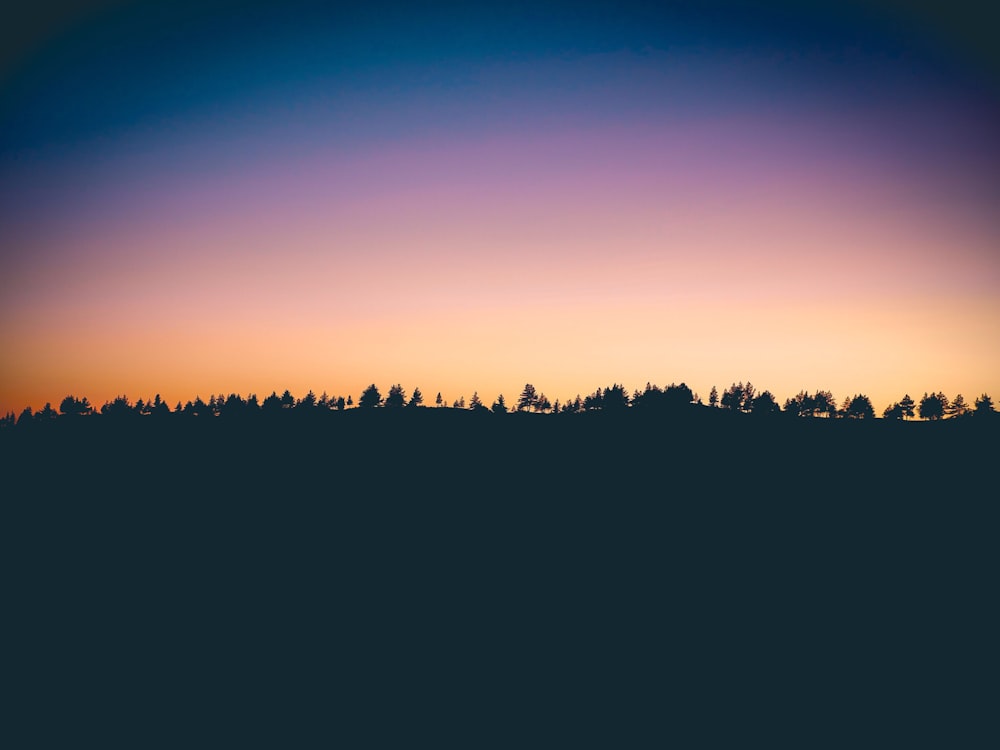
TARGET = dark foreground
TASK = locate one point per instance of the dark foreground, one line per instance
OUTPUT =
(447, 577)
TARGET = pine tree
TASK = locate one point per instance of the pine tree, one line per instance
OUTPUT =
(370, 398)
(895, 411)
(528, 397)
(958, 407)
(47, 413)
(844, 407)
(907, 405)
(984, 405)
(396, 398)
(417, 399)
(932, 406)
(860, 407)
(499, 406)
(733, 397)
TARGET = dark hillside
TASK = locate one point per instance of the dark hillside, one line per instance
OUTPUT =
(590, 569)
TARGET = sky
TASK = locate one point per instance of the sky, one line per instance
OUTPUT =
(216, 197)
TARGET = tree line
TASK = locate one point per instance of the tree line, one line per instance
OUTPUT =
(739, 397)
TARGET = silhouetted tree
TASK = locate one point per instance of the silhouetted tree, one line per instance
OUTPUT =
(71, 406)
(370, 398)
(476, 403)
(119, 407)
(958, 407)
(26, 418)
(860, 407)
(350, 401)
(615, 398)
(341, 403)
(713, 397)
(272, 404)
(806, 405)
(895, 411)
(594, 402)
(499, 406)
(651, 396)
(933, 406)
(672, 397)
(232, 406)
(737, 397)
(307, 402)
(160, 408)
(984, 406)
(47, 414)
(528, 397)
(824, 404)
(764, 404)
(842, 412)
(439, 402)
(542, 404)
(907, 405)
(795, 406)
(287, 400)
(677, 396)
(417, 399)
(396, 398)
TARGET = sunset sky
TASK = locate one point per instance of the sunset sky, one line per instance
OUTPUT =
(246, 197)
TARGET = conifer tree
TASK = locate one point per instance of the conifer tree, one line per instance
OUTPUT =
(528, 397)
(370, 398)
(396, 398)
(933, 406)
(984, 405)
(958, 407)
(907, 405)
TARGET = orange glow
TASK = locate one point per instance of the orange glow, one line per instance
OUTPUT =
(570, 275)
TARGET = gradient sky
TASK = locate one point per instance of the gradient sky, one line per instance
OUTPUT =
(231, 197)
